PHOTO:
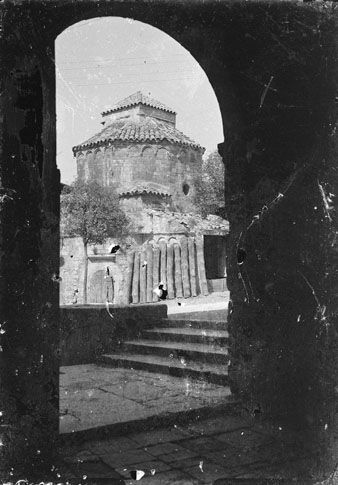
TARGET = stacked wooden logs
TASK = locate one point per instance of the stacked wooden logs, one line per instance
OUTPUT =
(179, 267)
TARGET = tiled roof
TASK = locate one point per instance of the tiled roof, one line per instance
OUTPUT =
(135, 99)
(146, 130)
(144, 188)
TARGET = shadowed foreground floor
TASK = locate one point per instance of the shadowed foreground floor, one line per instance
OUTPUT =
(200, 437)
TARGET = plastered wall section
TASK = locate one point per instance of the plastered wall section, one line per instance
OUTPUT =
(72, 268)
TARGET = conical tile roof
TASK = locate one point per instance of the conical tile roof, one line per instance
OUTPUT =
(146, 130)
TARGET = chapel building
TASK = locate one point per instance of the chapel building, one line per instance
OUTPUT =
(153, 167)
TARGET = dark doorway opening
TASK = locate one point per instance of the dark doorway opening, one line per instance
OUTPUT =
(215, 259)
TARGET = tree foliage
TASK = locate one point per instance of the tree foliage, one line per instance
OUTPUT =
(210, 186)
(91, 212)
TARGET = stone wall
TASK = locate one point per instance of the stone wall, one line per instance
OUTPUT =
(137, 112)
(153, 226)
(119, 165)
(86, 333)
(73, 263)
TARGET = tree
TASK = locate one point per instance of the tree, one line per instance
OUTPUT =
(93, 213)
(210, 186)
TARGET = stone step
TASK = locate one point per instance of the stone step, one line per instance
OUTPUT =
(212, 373)
(191, 323)
(208, 315)
(191, 351)
(188, 334)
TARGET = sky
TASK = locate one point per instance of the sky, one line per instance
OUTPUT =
(101, 61)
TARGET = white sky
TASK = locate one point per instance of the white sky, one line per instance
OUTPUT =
(103, 60)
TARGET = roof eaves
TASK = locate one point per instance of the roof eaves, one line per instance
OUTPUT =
(143, 191)
(103, 142)
(129, 105)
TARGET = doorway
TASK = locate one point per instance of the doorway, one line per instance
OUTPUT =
(215, 262)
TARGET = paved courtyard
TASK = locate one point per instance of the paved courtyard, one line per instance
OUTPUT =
(115, 423)
(198, 437)
(199, 452)
(92, 396)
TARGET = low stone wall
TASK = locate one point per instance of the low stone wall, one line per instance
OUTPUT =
(88, 331)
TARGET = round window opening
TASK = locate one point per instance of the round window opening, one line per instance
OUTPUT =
(186, 189)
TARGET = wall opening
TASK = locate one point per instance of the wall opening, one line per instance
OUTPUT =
(98, 64)
(215, 262)
(138, 119)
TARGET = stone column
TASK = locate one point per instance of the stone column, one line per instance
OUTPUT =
(192, 266)
(156, 271)
(185, 268)
(170, 271)
(129, 277)
(149, 259)
(178, 272)
(143, 277)
(136, 278)
(163, 262)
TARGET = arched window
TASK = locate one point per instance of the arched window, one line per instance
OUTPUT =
(147, 152)
(162, 154)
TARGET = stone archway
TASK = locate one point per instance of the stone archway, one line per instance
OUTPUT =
(277, 97)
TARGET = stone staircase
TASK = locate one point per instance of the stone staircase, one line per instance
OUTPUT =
(190, 345)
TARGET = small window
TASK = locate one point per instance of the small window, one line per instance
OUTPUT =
(186, 189)
(147, 152)
(162, 154)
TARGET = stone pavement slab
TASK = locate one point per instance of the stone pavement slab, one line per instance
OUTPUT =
(213, 301)
(165, 435)
(92, 396)
(207, 472)
(193, 454)
(244, 437)
(220, 424)
(172, 477)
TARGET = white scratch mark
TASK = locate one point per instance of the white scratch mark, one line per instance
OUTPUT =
(108, 310)
(244, 285)
(139, 474)
(265, 92)
(311, 288)
(325, 200)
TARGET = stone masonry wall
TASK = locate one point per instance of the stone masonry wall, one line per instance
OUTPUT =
(73, 263)
(86, 333)
(119, 165)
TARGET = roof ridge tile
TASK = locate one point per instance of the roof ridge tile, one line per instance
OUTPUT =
(135, 99)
